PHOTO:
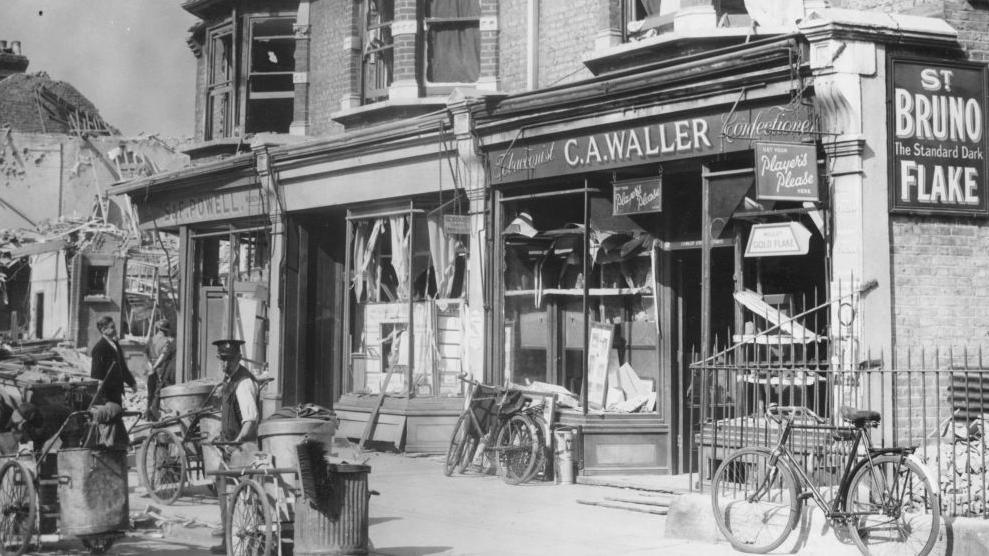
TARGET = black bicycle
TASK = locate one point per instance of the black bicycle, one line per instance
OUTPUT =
(886, 498)
(499, 422)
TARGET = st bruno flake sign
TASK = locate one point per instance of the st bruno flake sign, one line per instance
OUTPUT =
(937, 137)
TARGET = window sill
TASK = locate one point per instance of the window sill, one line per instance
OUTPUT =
(96, 299)
(666, 47)
(387, 111)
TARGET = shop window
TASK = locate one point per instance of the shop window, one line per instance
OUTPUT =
(232, 273)
(544, 286)
(399, 263)
(96, 281)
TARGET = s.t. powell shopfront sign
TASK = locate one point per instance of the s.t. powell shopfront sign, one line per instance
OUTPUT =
(937, 131)
(651, 141)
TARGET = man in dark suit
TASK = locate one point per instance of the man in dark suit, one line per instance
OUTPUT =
(109, 367)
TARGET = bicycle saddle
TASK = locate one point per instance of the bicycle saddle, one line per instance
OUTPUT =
(859, 417)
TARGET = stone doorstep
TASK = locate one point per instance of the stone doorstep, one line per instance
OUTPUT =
(690, 518)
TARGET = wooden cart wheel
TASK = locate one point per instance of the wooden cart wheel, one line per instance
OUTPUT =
(248, 530)
(18, 508)
(164, 466)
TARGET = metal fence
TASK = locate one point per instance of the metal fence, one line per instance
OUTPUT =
(936, 400)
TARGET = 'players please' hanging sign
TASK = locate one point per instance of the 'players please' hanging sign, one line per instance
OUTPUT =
(937, 134)
(786, 172)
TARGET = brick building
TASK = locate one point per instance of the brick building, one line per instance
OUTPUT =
(390, 192)
(65, 241)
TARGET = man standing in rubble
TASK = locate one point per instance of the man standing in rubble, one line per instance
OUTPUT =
(239, 417)
(161, 357)
(109, 368)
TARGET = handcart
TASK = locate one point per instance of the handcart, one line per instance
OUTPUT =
(174, 453)
(63, 489)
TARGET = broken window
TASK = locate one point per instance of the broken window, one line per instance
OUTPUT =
(401, 262)
(232, 274)
(259, 55)
(96, 280)
(271, 64)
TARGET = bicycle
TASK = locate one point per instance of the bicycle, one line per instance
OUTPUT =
(257, 501)
(499, 420)
(886, 498)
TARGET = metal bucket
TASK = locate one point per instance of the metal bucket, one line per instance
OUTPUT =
(279, 438)
(184, 398)
(337, 523)
(92, 491)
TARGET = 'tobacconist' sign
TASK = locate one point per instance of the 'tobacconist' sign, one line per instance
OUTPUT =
(937, 150)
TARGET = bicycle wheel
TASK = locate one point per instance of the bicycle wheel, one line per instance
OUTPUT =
(164, 466)
(248, 530)
(518, 449)
(897, 510)
(18, 508)
(755, 501)
(455, 452)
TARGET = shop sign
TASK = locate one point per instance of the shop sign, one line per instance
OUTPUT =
(778, 240)
(937, 139)
(655, 141)
(217, 205)
(786, 172)
(637, 196)
(456, 224)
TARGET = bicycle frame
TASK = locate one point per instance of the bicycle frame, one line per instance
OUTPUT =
(860, 436)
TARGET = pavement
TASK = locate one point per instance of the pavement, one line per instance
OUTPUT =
(421, 512)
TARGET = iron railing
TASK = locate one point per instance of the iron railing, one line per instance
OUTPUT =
(934, 399)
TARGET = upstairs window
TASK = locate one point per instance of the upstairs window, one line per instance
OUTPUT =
(219, 83)
(250, 65)
(453, 41)
(378, 49)
(270, 90)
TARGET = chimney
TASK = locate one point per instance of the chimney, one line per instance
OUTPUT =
(11, 59)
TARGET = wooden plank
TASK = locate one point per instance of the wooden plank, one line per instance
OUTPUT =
(629, 507)
(369, 427)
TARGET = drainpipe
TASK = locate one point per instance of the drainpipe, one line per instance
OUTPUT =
(273, 394)
(532, 45)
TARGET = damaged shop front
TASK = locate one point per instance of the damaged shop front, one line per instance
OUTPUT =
(218, 213)
(640, 231)
(376, 281)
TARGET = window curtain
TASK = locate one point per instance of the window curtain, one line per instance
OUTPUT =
(454, 47)
(364, 241)
(400, 254)
(443, 253)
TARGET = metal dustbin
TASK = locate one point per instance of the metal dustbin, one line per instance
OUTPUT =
(563, 440)
(92, 491)
(336, 521)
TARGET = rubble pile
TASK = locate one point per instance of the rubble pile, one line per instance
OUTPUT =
(962, 469)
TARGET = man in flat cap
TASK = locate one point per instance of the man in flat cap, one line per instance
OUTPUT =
(161, 358)
(238, 417)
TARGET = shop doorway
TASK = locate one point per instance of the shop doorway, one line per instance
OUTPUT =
(686, 339)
